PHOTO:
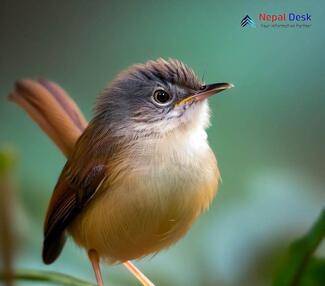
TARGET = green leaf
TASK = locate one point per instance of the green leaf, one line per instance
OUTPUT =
(314, 274)
(300, 263)
(7, 160)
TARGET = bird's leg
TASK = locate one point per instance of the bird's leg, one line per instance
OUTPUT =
(94, 259)
(138, 274)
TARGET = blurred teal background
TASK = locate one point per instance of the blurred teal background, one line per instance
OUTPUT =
(268, 133)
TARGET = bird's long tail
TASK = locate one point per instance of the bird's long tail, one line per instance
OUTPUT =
(52, 109)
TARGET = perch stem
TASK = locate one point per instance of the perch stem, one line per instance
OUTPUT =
(46, 276)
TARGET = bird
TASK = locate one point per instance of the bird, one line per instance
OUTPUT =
(141, 172)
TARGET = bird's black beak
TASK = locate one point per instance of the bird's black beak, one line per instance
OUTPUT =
(206, 91)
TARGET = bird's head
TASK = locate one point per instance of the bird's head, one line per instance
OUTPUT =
(156, 98)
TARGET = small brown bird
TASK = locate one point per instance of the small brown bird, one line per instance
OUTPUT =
(141, 172)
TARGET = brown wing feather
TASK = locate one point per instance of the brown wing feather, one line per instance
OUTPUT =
(79, 181)
(67, 202)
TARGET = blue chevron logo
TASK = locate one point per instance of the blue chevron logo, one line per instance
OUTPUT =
(248, 22)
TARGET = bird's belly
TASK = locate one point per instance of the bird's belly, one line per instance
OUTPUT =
(146, 209)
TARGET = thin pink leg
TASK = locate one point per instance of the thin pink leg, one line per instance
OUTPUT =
(94, 259)
(138, 274)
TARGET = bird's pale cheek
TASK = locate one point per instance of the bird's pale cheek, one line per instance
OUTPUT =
(198, 115)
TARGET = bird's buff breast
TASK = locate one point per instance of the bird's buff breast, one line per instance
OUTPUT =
(161, 188)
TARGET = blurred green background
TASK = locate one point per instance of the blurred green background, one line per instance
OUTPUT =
(268, 133)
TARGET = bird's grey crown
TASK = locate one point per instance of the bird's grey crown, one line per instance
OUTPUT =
(168, 71)
(171, 70)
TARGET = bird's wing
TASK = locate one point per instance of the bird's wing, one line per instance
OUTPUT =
(79, 181)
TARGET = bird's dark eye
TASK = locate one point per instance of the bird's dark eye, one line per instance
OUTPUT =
(161, 97)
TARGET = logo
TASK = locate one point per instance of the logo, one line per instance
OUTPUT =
(284, 17)
(247, 21)
(279, 20)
